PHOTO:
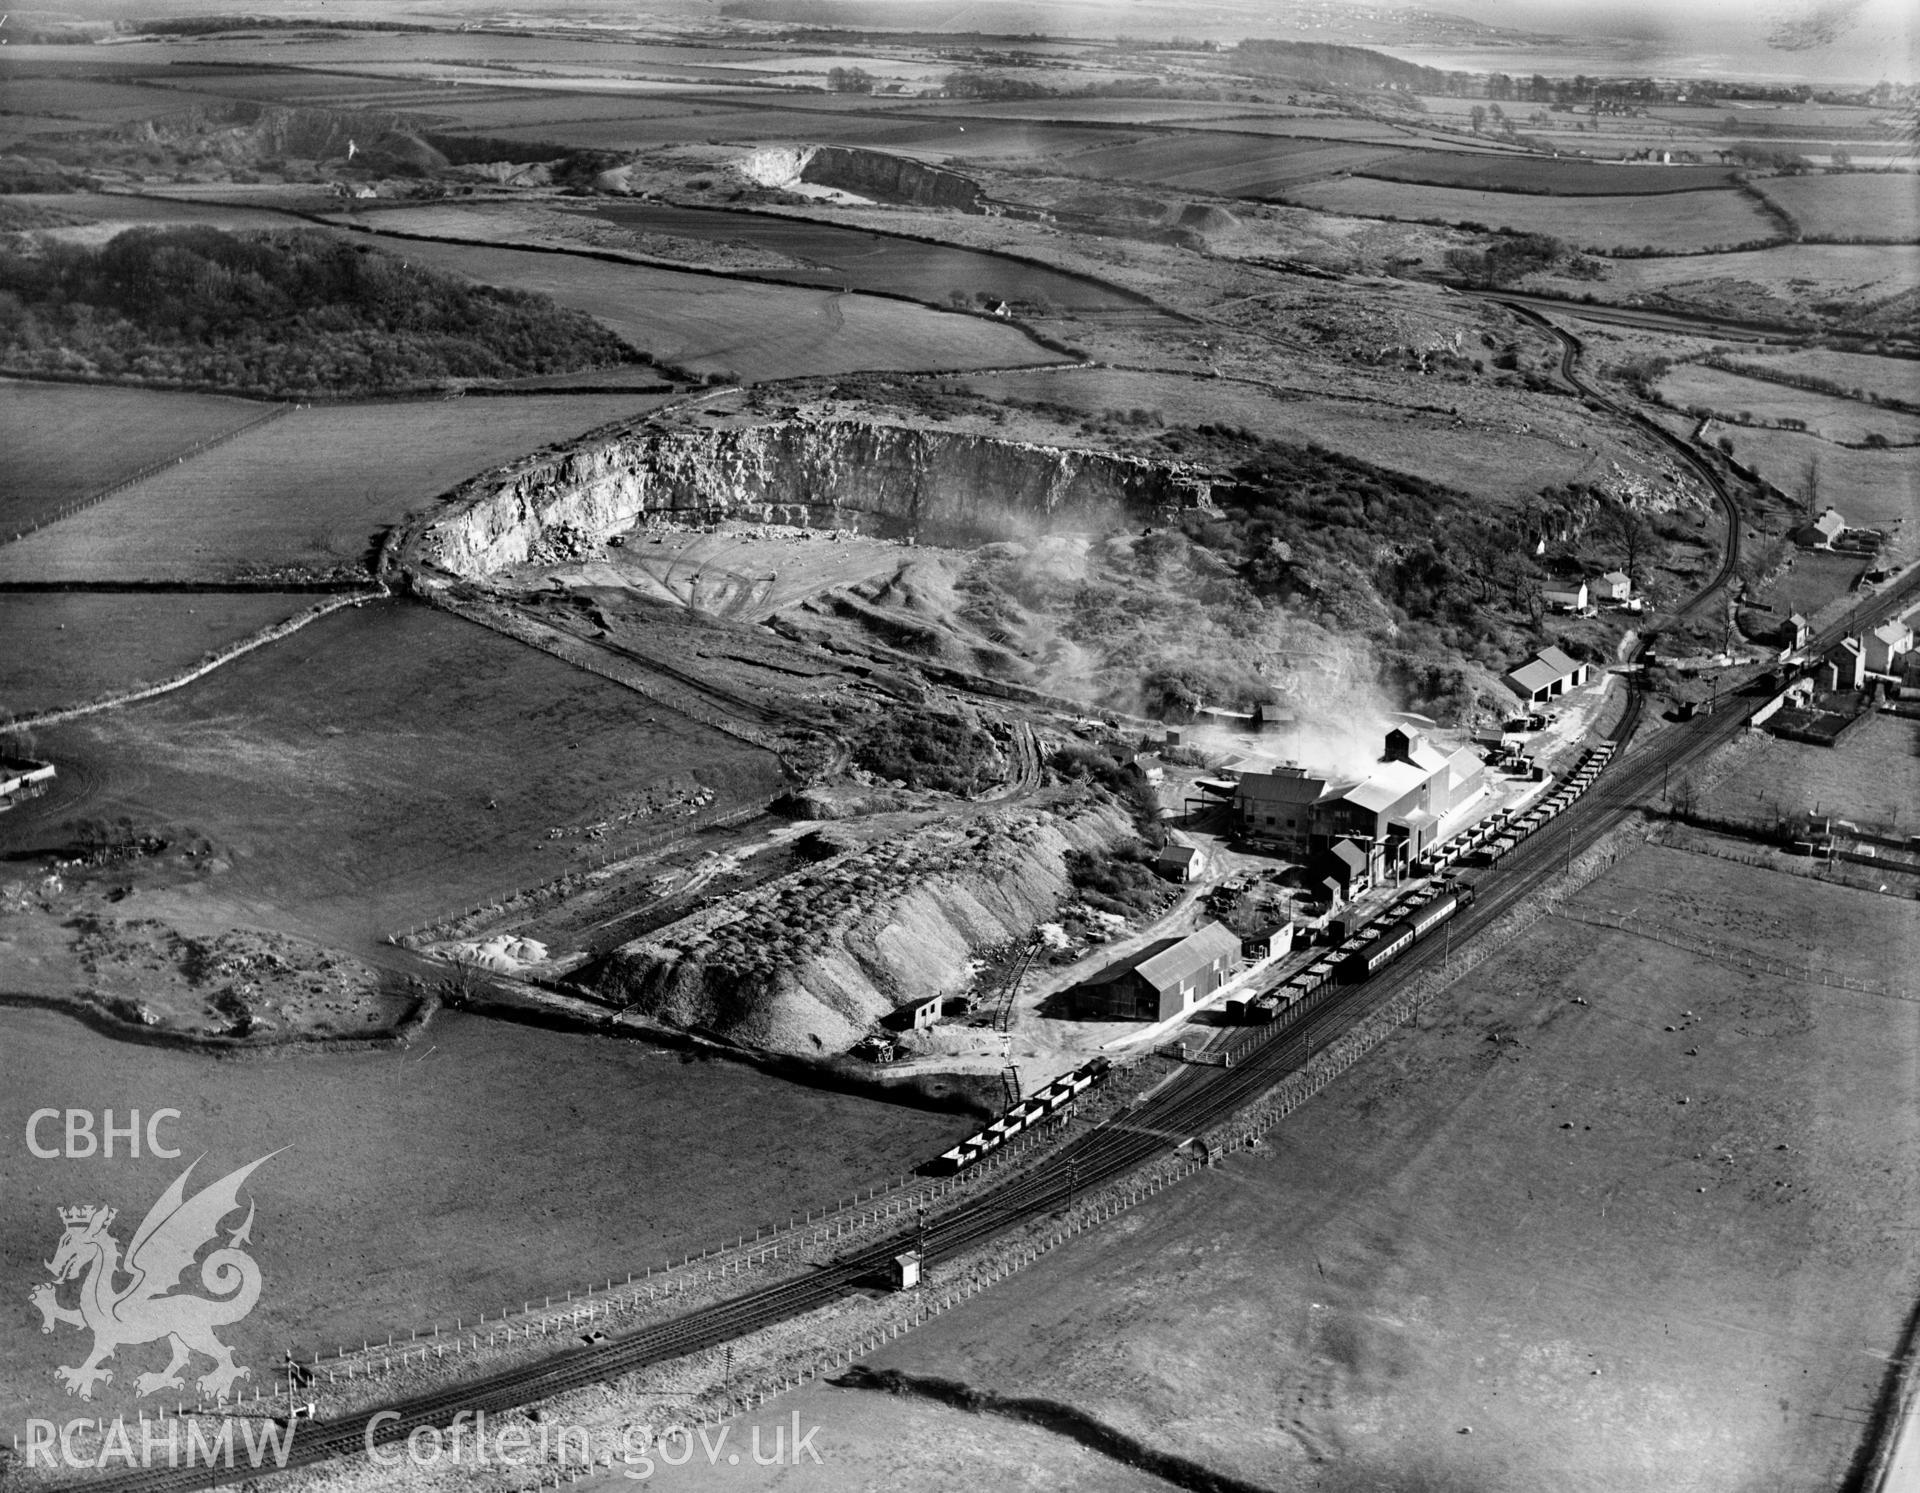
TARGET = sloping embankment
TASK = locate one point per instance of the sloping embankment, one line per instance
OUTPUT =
(896, 481)
(808, 964)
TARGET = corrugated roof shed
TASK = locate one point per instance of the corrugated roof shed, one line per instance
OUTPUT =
(1189, 956)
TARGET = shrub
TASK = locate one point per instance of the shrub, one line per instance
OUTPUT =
(926, 749)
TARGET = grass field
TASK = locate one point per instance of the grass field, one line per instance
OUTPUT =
(1860, 373)
(1489, 452)
(1872, 778)
(756, 331)
(1501, 1255)
(65, 442)
(1562, 178)
(483, 1166)
(1815, 581)
(309, 489)
(380, 767)
(65, 648)
(1695, 385)
(1871, 206)
(1223, 165)
(1875, 489)
(1710, 219)
(1784, 283)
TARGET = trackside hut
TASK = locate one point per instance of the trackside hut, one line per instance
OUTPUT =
(1163, 979)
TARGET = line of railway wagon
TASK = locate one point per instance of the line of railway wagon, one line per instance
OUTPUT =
(1411, 916)
(1024, 1115)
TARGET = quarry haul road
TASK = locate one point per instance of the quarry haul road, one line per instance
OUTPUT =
(1187, 1105)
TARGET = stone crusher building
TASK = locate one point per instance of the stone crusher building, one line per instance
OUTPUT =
(1163, 979)
(1394, 814)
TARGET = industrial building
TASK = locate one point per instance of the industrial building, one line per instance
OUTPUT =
(1163, 979)
(1547, 675)
(1393, 814)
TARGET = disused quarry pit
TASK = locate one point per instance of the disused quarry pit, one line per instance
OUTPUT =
(892, 481)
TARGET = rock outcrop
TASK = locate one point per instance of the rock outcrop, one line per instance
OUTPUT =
(894, 481)
(806, 965)
(870, 174)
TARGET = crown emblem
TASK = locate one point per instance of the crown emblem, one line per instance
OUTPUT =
(85, 1215)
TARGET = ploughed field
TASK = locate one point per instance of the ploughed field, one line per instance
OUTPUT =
(381, 767)
(1502, 1253)
(307, 491)
(484, 1165)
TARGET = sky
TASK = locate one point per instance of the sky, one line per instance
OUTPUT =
(1825, 40)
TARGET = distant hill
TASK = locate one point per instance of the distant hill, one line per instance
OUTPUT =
(1313, 63)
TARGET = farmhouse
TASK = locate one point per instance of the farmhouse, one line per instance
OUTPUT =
(1821, 532)
(1563, 598)
(1548, 674)
(1615, 585)
(1885, 644)
(1165, 978)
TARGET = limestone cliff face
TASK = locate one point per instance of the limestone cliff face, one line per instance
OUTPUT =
(884, 178)
(939, 486)
(808, 964)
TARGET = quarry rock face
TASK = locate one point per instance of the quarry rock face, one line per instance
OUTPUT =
(893, 481)
(887, 178)
(806, 965)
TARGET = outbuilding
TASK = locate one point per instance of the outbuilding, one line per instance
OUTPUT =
(1547, 675)
(1615, 585)
(1563, 598)
(1178, 862)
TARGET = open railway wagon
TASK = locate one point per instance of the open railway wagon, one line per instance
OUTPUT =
(1491, 839)
(1029, 1112)
(1397, 937)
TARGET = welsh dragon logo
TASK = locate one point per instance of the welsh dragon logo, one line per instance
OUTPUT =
(144, 1310)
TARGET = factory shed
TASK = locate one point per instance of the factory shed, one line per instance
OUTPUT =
(1549, 673)
(1161, 980)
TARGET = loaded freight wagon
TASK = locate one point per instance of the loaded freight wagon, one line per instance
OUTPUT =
(1027, 1113)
